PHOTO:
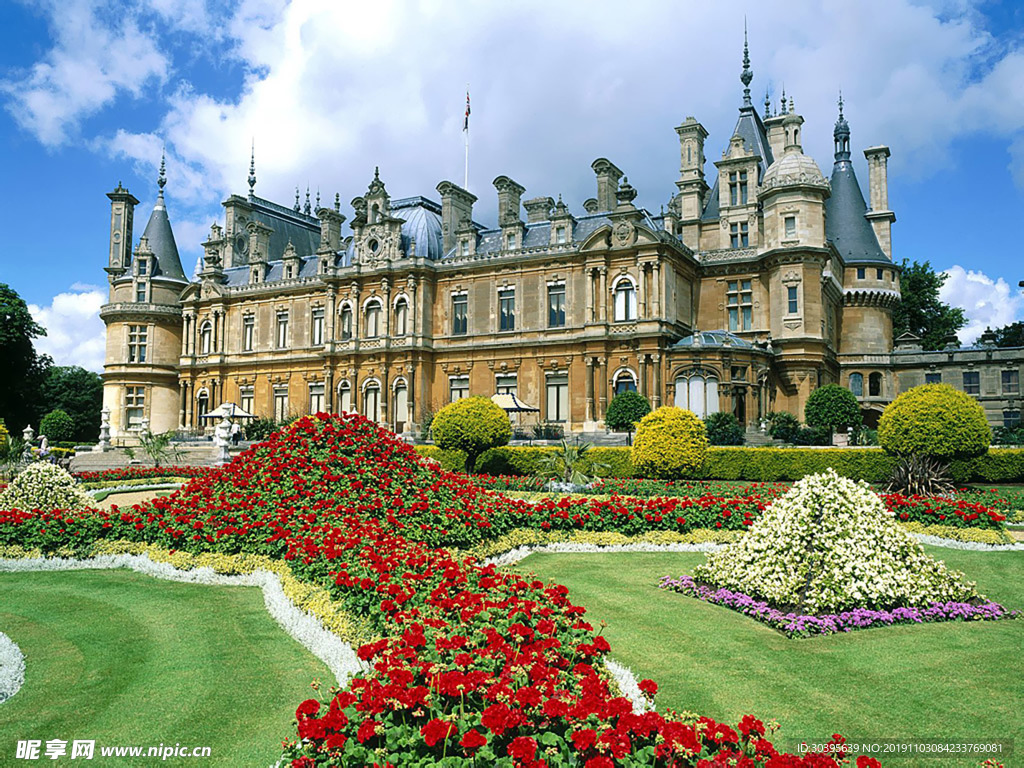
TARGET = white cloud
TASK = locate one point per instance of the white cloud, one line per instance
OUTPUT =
(987, 303)
(75, 335)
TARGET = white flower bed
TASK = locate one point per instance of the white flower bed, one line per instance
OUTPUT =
(830, 545)
(513, 556)
(338, 655)
(629, 686)
(12, 668)
(976, 546)
(44, 486)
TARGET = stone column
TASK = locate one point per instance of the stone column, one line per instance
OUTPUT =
(184, 335)
(642, 371)
(656, 394)
(590, 296)
(602, 303)
(641, 292)
(602, 384)
(329, 389)
(189, 397)
(413, 309)
(590, 389)
(184, 404)
(656, 287)
(330, 319)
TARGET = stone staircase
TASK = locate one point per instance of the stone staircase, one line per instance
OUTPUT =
(755, 438)
(191, 455)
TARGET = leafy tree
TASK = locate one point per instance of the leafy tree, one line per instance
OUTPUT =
(79, 393)
(24, 370)
(920, 310)
(1011, 335)
(723, 429)
(625, 410)
(472, 425)
(57, 426)
(832, 407)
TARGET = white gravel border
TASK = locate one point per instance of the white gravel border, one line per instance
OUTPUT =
(94, 492)
(12, 668)
(977, 546)
(513, 556)
(337, 655)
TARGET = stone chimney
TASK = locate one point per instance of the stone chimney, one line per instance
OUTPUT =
(509, 196)
(456, 208)
(879, 215)
(607, 182)
(330, 229)
(538, 209)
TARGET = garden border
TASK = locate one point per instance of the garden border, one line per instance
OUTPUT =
(12, 668)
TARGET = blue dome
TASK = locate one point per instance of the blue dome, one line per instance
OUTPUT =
(713, 339)
(422, 224)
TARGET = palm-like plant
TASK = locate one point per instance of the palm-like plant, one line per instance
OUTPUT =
(563, 464)
(157, 448)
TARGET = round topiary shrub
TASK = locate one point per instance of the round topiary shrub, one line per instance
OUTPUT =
(723, 429)
(44, 486)
(934, 420)
(625, 410)
(472, 425)
(832, 407)
(670, 443)
(57, 426)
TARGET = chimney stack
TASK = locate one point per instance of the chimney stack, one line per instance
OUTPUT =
(538, 209)
(879, 215)
(509, 196)
(607, 183)
(456, 209)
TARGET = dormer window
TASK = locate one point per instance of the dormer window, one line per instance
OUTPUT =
(560, 235)
(143, 267)
(288, 272)
(140, 292)
(510, 241)
(254, 276)
(464, 248)
(738, 188)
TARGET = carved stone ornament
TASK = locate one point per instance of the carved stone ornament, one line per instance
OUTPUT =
(624, 234)
(791, 277)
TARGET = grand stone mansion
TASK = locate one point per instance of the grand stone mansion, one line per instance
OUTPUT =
(754, 286)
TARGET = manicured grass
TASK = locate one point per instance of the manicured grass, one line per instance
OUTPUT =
(951, 680)
(126, 659)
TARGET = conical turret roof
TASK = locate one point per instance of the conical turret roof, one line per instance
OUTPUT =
(161, 238)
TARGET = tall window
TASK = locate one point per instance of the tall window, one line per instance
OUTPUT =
(282, 330)
(556, 306)
(506, 384)
(557, 400)
(371, 401)
(625, 301)
(346, 323)
(206, 338)
(875, 385)
(372, 319)
(345, 397)
(1011, 382)
(507, 309)
(933, 378)
(401, 407)
(625, 382)
(134, 406)
(792, 300)
(316, 398)
(140, 292)
(739, 235)
(248, 333)
(738, 188)
(560, 235)
(790, 224)
(137, 343)
(972, 382)
(458, 387)
(245, 399)
(740, 302)
(464, 248)
(861, 272)
(697, 393)
(401, 317)
(460, 305)
(143, 267)
(857, 384)
(316, 330)
(281, 403)
(510, 241)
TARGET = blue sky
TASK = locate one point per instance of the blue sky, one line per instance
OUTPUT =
(92, 90)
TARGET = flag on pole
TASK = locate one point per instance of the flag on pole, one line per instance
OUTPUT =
(465, 125)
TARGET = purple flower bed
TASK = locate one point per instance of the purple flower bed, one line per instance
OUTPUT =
(797, 625)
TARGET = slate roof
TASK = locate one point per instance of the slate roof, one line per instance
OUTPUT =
(845, 225)
(751, 130)
(717, 338)
(300, 230)
(161, 243)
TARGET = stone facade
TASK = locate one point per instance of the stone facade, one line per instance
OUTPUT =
(743, 295)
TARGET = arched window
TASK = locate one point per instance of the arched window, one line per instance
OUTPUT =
(857, 384)
(401, 407)
(625, 382)
(345, 397)
(875, 385)
(401, 317)
(346, 323)
(202, 406)
(697, 392)
(373, 320)
(375, 213)
(371, 401)
(206, 338)
(625, 300)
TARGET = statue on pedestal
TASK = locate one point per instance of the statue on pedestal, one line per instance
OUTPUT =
(222, 439)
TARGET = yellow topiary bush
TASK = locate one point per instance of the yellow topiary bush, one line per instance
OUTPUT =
(670, 443)
(934, 420)
(471, 425)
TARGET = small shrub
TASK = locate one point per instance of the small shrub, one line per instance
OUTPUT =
(548, 431)
(783, 426)
(5, 439)
(472, 425)
(57, 426)
(723, 429)
(812, 436)
(260, 429)
(670, 443)
(934, 420)
(921, 476)
(1008, 436)
(625, 411)
(833, 408)
(44, 486)
(564, 464)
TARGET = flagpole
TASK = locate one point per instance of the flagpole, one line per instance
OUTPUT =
(465, 184)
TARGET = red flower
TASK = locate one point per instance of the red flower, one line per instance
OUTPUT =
(436, 730)
(308, 708)
(584, 740)
(599, 762)
(649, 687)
(867, 762)
(472, 739)
(522, 748)
(367, 731)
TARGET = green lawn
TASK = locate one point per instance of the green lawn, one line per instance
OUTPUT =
(126, 659)
(949, 680)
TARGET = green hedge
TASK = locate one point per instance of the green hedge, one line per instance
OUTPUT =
(999, 465)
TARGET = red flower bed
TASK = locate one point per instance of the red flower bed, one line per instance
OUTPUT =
(473, 665)
(140, 473)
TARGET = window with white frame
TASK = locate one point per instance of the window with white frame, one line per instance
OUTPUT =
(281, 411)
(510, 241)
(740, 302)
(697, 392)
(790, 226)
(738, 188)
(401, 317)
(401, 407)
(372, 320)
(345, 397)
(739, 236)
(134, 407)
(140, 292)
(316, 328)
(460, 311)
(248, 333)
(206, 338)
(316, 398)
(371, 401)
(143, 267)
(557, 400)
(625, 382)
(346, 323)
(560, 235)
(137, 343)
(246, 399)
(506, 384)
(458, 387)
(625, 301)
(282, 330)
(792, 300)
(556, 305)
(507, 309)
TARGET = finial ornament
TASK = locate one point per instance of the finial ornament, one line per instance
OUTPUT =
(161, 180)
(783, 111)
(337, 201)
(252, 171)
(376, 173)
(317, 200)
(767, 104)
(840, 103)
(841, 134)
(747, 75)
(297, 207)
(306, 208)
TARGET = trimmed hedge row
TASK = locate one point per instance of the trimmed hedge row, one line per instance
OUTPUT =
(999, 465)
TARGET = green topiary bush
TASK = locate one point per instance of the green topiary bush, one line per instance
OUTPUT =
(670, 443)
(57, 426)
(472, 425)
(934, 420)
(625, 410)
(833, 408)
(723, 429)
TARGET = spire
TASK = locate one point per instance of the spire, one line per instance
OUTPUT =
(306, 207)
(317, 207)
(252, 172)
(747, 75)
(161, 180)
(337, 201)
(767, 104)
(841, 134)
(296, 207)
(783, 111)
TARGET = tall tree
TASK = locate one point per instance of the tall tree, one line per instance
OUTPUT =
(24, 370)
(920, 311)
(1011, 335)
(77, 392)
